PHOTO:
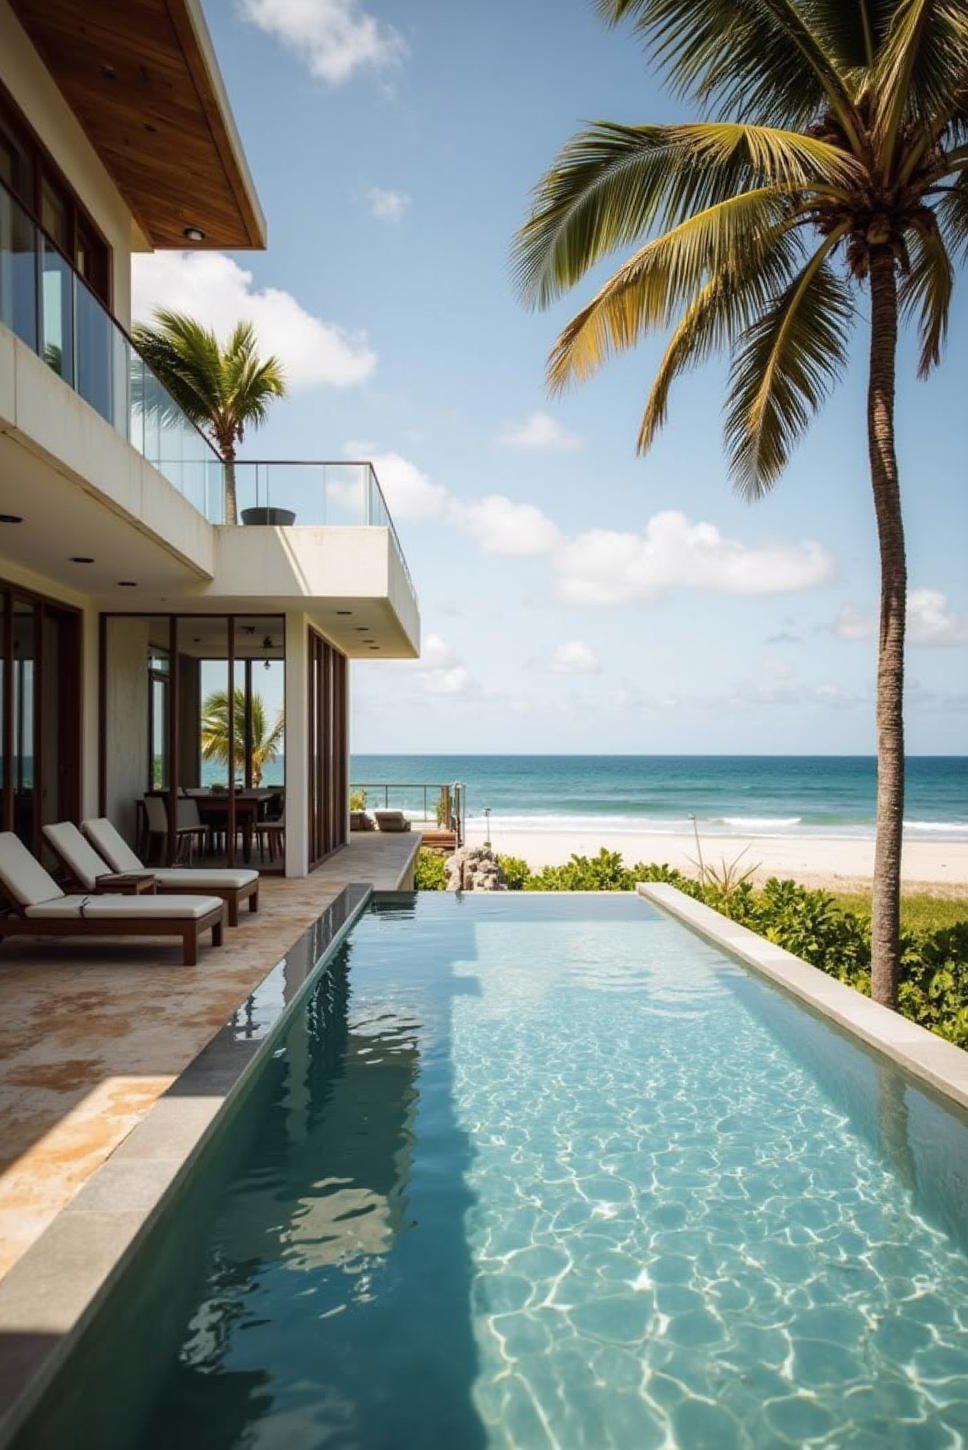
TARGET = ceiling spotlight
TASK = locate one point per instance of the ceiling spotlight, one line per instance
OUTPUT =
(193, 234)
(374, 646)
(344, 611)
(81, 559)
(11, 519)
(127, 583)
(361, 628)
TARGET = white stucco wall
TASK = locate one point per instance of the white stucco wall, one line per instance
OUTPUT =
(126, 712)
(26, 78)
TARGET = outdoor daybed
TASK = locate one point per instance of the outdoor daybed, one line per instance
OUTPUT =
(391, 821)
(43, 909)
(105, 849)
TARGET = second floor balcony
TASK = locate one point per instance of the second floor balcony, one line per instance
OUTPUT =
(49, 307)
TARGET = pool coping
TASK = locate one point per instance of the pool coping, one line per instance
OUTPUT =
(924, 1055)
(51, 1293)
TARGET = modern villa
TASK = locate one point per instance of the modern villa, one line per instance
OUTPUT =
(125, 599)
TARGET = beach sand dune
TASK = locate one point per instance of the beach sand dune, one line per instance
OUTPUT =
(815, 861)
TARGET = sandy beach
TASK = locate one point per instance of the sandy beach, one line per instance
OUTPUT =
(814, 861)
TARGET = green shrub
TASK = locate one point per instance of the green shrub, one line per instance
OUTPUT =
(430, 871)
(516, 872)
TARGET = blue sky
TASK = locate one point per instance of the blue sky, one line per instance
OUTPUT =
(394, 146)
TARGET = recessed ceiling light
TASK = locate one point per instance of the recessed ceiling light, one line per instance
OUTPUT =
(344, 611)
(374, 646)
(193, 234)
(11, 519)
(107, 71)
(361, 628)
(127, 583)
(81, 559)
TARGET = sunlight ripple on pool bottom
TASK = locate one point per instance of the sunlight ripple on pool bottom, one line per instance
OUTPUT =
(554, 1173)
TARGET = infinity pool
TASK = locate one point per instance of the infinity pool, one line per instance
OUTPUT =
(547, 1171)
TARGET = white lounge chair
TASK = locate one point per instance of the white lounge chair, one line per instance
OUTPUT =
(106, 844)
(43, 909)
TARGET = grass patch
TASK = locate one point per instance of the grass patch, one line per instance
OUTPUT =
(920, 911)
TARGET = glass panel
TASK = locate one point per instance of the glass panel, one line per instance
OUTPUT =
(16, 162)
(18, 270)
(3, 700)
(22, 706)
(158, 733)
(57, 313)
(96, 354)
(54, 214)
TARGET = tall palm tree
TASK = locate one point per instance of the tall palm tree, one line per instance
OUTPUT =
(222, 390)
(266, 740)
(841, 171)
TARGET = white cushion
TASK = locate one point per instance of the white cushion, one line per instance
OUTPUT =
(111, 844)
(125, 908)
(22, 875)
(76, 853)
(213, 878)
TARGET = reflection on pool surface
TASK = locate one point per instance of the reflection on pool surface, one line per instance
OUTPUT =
(547, 1172)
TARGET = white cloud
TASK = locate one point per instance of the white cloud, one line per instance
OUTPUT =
(607, 567)
(575, 657)
(215, 290)
(929, 621)
(441, 671)
(387, 205)
(500, 526)
(335, 38)
(409, 492)
(540, 432)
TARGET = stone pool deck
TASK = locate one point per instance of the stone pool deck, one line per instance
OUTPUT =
(93, 1033)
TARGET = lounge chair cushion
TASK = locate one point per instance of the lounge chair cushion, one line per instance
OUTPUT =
(392, 821)
(124, 908)
(110, 843)
(77, 853)
(22, 875)
(211, 877)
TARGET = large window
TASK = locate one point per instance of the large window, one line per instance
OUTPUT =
(194, 734)
(29, 173)
(40, 674)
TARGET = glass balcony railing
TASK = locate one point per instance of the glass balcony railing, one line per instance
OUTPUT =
(339, 493)
(51, 308)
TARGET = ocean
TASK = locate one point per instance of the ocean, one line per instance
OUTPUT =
(748, 795)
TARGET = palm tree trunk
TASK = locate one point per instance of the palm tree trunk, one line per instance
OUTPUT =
(231, 505)
(886, 897)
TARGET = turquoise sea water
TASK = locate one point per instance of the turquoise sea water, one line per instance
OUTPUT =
(748, 795)
(548, 1173)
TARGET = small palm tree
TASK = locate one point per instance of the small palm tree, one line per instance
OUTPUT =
(222, 390)
(841, 171)
(266, 742)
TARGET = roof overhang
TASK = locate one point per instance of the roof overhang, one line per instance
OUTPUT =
(144, 83)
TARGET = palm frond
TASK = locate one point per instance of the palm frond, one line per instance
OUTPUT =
(783, 369)
(852, 31)
(612, 183)
(919, 78)
(925, 294)
(646, 291)
(952, 215)
(716, 316)
(749, 58)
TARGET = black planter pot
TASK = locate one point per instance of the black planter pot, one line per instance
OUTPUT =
(268, 516)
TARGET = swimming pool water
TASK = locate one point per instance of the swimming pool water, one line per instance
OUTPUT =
(548, 1172)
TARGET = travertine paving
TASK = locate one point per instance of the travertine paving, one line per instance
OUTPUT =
(91, 1034)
